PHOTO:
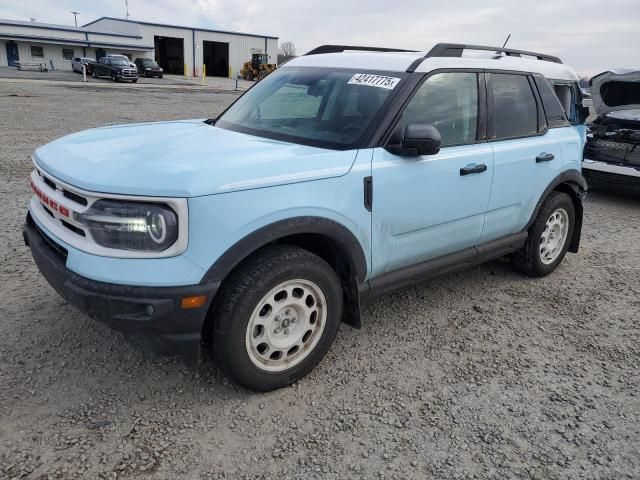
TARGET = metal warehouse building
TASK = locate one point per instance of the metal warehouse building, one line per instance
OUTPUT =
(172, 46)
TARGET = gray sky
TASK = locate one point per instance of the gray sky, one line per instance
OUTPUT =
(590, 35)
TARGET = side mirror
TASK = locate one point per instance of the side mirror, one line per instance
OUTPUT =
(417, 139)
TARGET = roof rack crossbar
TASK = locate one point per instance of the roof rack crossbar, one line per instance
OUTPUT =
(342, 48)
(456, 49)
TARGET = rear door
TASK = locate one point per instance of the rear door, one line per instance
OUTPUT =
(526, 152)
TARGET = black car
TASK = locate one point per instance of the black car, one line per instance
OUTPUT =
(115, 67)
(148, 67)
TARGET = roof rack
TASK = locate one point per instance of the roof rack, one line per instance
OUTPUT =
(342, 48)
(456, 49)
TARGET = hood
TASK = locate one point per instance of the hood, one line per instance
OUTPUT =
(616, 90)
(183, 159)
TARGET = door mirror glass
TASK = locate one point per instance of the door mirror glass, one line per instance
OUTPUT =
(417, 139)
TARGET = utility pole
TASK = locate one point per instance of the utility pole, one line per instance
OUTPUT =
(126, 5)
(75, 17)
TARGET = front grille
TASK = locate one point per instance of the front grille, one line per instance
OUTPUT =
(49, 182)
(59, 250)
(73, 228)
(75, 197)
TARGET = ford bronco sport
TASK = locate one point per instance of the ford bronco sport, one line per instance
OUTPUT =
(348, 173)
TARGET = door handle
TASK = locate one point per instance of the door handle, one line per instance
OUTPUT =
(473, 168)
(545, 157)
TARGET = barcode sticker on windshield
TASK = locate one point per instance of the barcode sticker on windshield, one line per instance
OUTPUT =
(379, 81)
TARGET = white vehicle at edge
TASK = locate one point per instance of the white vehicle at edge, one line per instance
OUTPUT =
(612, 151)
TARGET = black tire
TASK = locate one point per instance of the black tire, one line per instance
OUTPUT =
(134, 81)
(114, 77)
(94, 74)
(241, 294)
(528, 259)
(159, 76)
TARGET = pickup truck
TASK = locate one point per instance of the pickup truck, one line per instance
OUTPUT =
(114, 67)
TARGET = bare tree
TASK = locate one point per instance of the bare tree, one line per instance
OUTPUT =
(287, 49)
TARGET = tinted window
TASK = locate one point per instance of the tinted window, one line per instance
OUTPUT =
(67, 53)
(514, 106)
(448, 101)
(553, 108)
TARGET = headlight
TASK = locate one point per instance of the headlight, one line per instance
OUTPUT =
(160, 69)
(147, 68)
(150, 227)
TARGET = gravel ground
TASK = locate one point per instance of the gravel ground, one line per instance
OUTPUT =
(483, 374)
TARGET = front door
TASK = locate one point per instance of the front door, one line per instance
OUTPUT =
(12, 54)
(429, 206)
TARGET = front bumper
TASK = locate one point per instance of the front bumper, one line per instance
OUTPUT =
(151, 316)
(607, 176)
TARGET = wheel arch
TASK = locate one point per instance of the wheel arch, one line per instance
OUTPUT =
(573, 184)
(330, 240)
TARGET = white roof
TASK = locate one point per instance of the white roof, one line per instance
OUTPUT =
(400, 61)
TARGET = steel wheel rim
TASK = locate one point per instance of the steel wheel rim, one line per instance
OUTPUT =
(286, 325)
(554, 236)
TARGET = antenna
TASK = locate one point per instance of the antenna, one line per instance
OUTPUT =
(505, 42)
(75, 17)
(126, 6)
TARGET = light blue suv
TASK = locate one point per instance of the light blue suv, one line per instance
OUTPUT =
(348, 173)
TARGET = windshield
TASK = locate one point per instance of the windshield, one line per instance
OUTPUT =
(149, 63)
(118, 61)
(331, 108)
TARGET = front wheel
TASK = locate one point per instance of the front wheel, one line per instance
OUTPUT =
(114, 77)
(278, 316)
(549, 236)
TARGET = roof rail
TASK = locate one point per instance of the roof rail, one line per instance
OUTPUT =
(342, 48)
(456, 49)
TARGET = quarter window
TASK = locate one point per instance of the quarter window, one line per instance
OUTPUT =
(36, 52)
(514, 106)
(449, 102)
(67, 53)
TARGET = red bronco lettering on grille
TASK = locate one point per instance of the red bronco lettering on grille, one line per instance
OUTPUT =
(50, 202)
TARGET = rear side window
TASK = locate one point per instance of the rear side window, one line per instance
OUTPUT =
(515, 111)
(449, 102)
(555, 101)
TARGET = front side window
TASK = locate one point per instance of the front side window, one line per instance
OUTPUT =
(67, 53)
(37, 52)
(514, 107)
(331, 108)
(449, 102)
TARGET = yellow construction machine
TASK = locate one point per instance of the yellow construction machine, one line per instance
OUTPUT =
(257, 68)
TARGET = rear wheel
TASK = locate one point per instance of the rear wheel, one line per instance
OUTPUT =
(549, 236)
(278, 316)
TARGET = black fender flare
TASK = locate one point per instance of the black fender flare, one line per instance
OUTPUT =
(344, 239)
(573, 183)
